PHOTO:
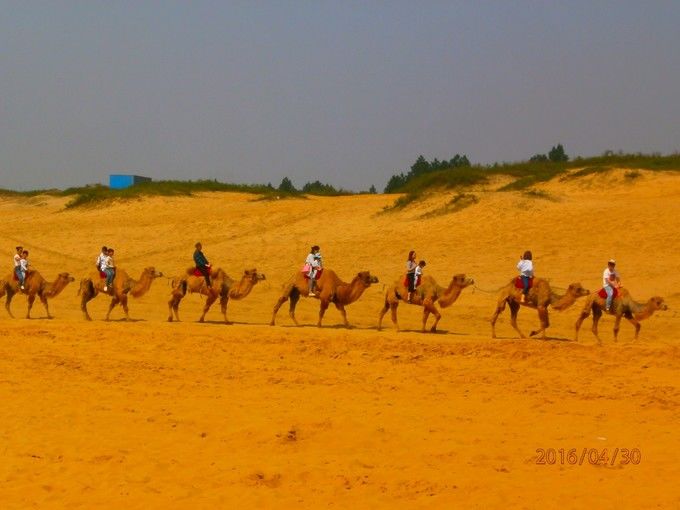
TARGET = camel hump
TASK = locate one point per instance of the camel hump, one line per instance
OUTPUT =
(190, 270)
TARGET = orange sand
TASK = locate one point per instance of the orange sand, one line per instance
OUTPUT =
(150, 414)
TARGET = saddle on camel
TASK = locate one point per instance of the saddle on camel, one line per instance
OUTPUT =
(194, 271)
(520, 285)
(418, 280)
(603, 293)
(311, 281)
(317, 275)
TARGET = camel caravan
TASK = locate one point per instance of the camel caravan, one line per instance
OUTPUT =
(316, 282)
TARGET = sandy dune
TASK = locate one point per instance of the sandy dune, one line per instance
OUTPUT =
(150, 414)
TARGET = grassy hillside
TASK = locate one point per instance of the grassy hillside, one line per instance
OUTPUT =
(94, 194)
(526, 174)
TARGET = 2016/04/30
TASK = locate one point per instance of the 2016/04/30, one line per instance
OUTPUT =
(594, 456)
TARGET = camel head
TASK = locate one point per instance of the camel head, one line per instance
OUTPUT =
(151, 272)
(65, 277)
(367, 278)
(658, 303)
(577, 290)
(253, 275)
(460, 280)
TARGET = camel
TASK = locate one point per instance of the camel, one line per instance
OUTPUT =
(426, 295)
(622, 306)
(220, 286)
(34, 286)
(540, 297)
(330, 289)
(122, 285)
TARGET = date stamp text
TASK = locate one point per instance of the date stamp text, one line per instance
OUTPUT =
(592, 456)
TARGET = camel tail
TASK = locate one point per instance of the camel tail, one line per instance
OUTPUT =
(179, 282)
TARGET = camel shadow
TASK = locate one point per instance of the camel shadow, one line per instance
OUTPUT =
(243, 323)
(333, 326)
(538, 339)
(552, 339)
(123, 319)
(230, 323)
(427, 332)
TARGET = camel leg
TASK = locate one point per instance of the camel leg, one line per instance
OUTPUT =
(43, 300)
(514, 310)
(634, 322)
(87, 293)
(430, 308)
(278, 304)
(544, 319)
(124, 304)
(284, 297)
(597, 313)
(8, 301)
(112, 305)
(500, 307)
(83, 307)
(584, 315)
(173, 305)
(437, 316)
(31, 300)
(224, 301)
(84, 293)
(294, 298)
(426, 315)
(382, 314)
(212, 297)
(323, 306)
(393, 309)
(617, 326)
(341, 309)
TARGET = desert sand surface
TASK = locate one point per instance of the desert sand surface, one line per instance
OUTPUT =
(151, 414)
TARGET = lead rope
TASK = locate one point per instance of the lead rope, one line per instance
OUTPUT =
(495, 291)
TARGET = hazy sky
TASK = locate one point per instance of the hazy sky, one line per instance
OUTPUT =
(345, 92)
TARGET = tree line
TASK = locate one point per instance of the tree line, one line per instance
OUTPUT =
(399, 181)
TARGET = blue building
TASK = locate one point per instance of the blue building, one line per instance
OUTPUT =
(118, 181)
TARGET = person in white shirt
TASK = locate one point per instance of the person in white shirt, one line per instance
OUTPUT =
(610, 280)
(525, 266)
(419, 271)
(417, 275)
(312, 267)
(23, 268)
(17, 262)
(411, 274)
(109, 269)
(100, 264)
